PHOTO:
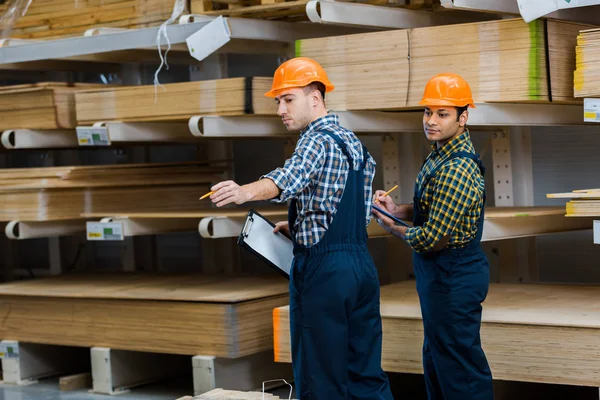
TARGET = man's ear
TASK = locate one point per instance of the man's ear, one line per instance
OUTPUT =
(464, 117)
(315, 98)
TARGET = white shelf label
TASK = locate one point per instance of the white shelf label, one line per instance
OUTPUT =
(91, 136)
(104, 231)
(591, 110)
(597, 232)
(9, 350)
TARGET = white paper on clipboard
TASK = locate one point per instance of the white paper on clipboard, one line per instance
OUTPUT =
(275, 249)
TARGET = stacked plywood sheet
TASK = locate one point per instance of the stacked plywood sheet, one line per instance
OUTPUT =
(57, 18)
(39, 106)
(177, 101)
(530, 333)
(294, 10)
(587, 74)
(177, 314)
(503, 61)
(44, 194)
(583, 203)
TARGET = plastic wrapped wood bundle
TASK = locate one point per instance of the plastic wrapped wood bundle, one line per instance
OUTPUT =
(39, 105)
(503, 61)
(58, 193)
(178, 101)
(59, 18)
(587, 73)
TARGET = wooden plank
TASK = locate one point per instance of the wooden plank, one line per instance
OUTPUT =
(61, 18)
(177, 101)
(530, 333)
(212, 317)
(507, 62)
(75, 382)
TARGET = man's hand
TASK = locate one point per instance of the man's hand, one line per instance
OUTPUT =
(283, 227)
(229, 192)
(389, 225)
(381, 199)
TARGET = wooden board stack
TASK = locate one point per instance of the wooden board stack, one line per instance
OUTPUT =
(587, 72)
(57, 193)
(59, 18)
(583, 203)
(503, 61)
(530, 333)
(294, 10)
(39, 105)
(176, 314)
(178, 101)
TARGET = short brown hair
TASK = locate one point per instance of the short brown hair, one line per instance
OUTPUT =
(315, 86)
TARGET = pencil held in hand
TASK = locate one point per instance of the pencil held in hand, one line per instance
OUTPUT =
(206, 195)
(388, 192)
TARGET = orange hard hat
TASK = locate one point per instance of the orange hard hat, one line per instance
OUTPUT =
(447, 90)
(298, 72)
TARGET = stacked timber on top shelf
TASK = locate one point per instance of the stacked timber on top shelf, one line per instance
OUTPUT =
(583, 203)
(61, 18)
(530, 333)
(39, 105)
(503, 61)
(60, 193)
(222, 316)
(177, 101)
(294, 10)
(587, 72)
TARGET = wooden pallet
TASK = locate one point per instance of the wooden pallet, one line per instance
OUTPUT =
(293, 10)
(530, 333)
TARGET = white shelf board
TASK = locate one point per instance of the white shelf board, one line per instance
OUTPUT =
(102, 41)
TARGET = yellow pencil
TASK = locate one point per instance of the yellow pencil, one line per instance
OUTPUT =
(388, 192)
(206, 195)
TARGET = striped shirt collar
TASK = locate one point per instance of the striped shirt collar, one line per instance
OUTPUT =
(329, 119)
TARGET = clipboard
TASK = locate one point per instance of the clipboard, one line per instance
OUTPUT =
(390, 216)
(275, 249)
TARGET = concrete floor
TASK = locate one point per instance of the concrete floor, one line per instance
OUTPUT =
(404, 387)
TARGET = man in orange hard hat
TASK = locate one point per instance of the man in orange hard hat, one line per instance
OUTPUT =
(452, 272)
(335, 321)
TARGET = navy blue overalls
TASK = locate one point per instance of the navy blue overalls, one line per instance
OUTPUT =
(452, 284)
(335, 320)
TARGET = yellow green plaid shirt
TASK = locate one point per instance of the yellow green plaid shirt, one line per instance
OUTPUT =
(452, 200)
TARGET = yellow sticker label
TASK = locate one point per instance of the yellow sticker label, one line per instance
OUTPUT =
(590, 115)
(83, 141)
(94, 235)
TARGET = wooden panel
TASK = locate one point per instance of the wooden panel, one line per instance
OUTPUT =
(59, 18)
(503, 61)
(587, 72)
(531, 333)
(177, 101)
(226, 325)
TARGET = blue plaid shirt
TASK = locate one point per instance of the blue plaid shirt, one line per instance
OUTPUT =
(316, 175)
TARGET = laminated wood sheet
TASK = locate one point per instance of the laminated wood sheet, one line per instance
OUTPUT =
(39, 106)
(64, 18)
(222, 316)
(57, 193)
(530, 333)
(503, 61)
(178, 101)
(587, 72)
(582, 203)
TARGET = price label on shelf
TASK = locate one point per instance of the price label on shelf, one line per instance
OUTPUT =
(104, 231)
(597, 232)
(9, 350)
(591, 110)
(92, 136)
